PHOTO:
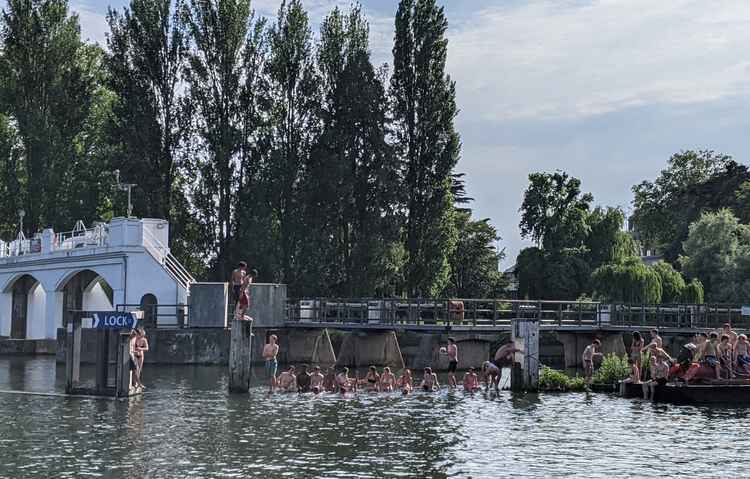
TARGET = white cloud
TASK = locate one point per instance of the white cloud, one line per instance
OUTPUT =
(93, 22)
(547, 58)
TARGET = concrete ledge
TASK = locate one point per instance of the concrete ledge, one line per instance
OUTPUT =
(28, 346)
(365, 349)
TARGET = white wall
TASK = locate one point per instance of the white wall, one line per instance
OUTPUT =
(36, 322)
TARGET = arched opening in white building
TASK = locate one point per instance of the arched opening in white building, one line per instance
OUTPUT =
(148, 306)
(27, 308)
(86, 290)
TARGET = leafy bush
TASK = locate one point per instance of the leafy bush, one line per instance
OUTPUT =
(553, 380)
(614, 368)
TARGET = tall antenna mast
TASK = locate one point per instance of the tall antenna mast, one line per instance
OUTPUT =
(125, 187)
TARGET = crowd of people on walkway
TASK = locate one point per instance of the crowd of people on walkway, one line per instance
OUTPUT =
(303, 379)
(720, 355)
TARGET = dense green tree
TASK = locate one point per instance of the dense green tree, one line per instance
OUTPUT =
(147, 48)
(352, 185)
(554, 211)
(717, 252)
(424, 108)
(218, 33)
(672, 283)
(692, 183)
(474, 264)
(48, 87)
(693, 292)
(606, 241)
(294, 88)
(10, 169)
(630, 281)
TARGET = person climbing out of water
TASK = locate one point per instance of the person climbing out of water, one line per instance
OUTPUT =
(659, 373)
(711, 354)
(504, 355)
(429, 380)
(589, 353)
(303, 380)
(141, 347)
(372, 379)
(270, 353)
(471, 381)
(387, 380)
(405, 382)
(742, 355)
(452, 352)
(287, 381)
(491, 375)
(316, 380)
(636, 346)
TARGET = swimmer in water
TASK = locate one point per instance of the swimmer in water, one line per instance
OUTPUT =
(344, 382)
(287, 381)
(429, 381)
(373, 379)
(316, 380)
(471, 381)
(405, 382)
(387, 380)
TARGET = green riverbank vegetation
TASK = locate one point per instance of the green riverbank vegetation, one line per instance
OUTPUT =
(613, 368)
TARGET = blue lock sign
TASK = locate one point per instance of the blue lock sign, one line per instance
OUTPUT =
(113, 320)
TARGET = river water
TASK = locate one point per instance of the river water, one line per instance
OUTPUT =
(187, 426)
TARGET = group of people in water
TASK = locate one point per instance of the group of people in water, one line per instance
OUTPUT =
(318, 380)
(715, 355)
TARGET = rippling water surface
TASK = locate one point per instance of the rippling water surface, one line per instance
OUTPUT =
(186, 426)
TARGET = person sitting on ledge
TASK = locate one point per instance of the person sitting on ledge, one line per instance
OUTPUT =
(711, 354)
(287, 381)
(387, 380)
(471, 381)
(405, 382)
(659, 374)
(316, 380)
(725, 357)
(429, 380)
(742, 355)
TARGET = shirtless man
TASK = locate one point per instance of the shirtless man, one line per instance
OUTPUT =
(452, 352)
(727, 329)
(303, 381)
(270, 351)
(316, 380)
(471, 381)
(238, 275)
(344, 382)
(588, 359)
(504, 354)
(429, 381)
(659, 373)
(287, 380)
(656, 339)
(742, 354)
(710, 356)
(491, 375)
(387, 380)
(141, 346)
(135, 373)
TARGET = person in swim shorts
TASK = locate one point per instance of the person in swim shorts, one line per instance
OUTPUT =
(589, 353)
(742, 354)
(238, 275)
(270, 352)
(711, 354)
(491, 375)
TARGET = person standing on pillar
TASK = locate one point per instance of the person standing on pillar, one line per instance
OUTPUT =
(141, 346)
(270, 353)
(238, 276)
(452, 352)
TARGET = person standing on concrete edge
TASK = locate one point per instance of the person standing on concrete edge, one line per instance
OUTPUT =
(238, 277)
(588, 359)
(270, 352)
(452, 352)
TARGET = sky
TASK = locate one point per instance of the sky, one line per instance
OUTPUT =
(605, 90)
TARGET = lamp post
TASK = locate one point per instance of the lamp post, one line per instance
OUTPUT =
(21, 214)
(125, 187)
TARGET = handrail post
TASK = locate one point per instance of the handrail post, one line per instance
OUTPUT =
(494, 312)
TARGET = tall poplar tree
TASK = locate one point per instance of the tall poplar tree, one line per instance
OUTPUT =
(147, 48)
(295, 124)
(424, 108)
(218, 31)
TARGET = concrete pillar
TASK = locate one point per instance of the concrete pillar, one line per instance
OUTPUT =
(240, 357)
(312, 347)
(48, 240)
(6, 310)
(525, 370)
(365, 349)
(53, 313)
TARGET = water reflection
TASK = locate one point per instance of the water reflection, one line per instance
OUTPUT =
(187, 426)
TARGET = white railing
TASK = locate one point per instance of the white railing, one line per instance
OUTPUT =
(161, 253)
(81, 237)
